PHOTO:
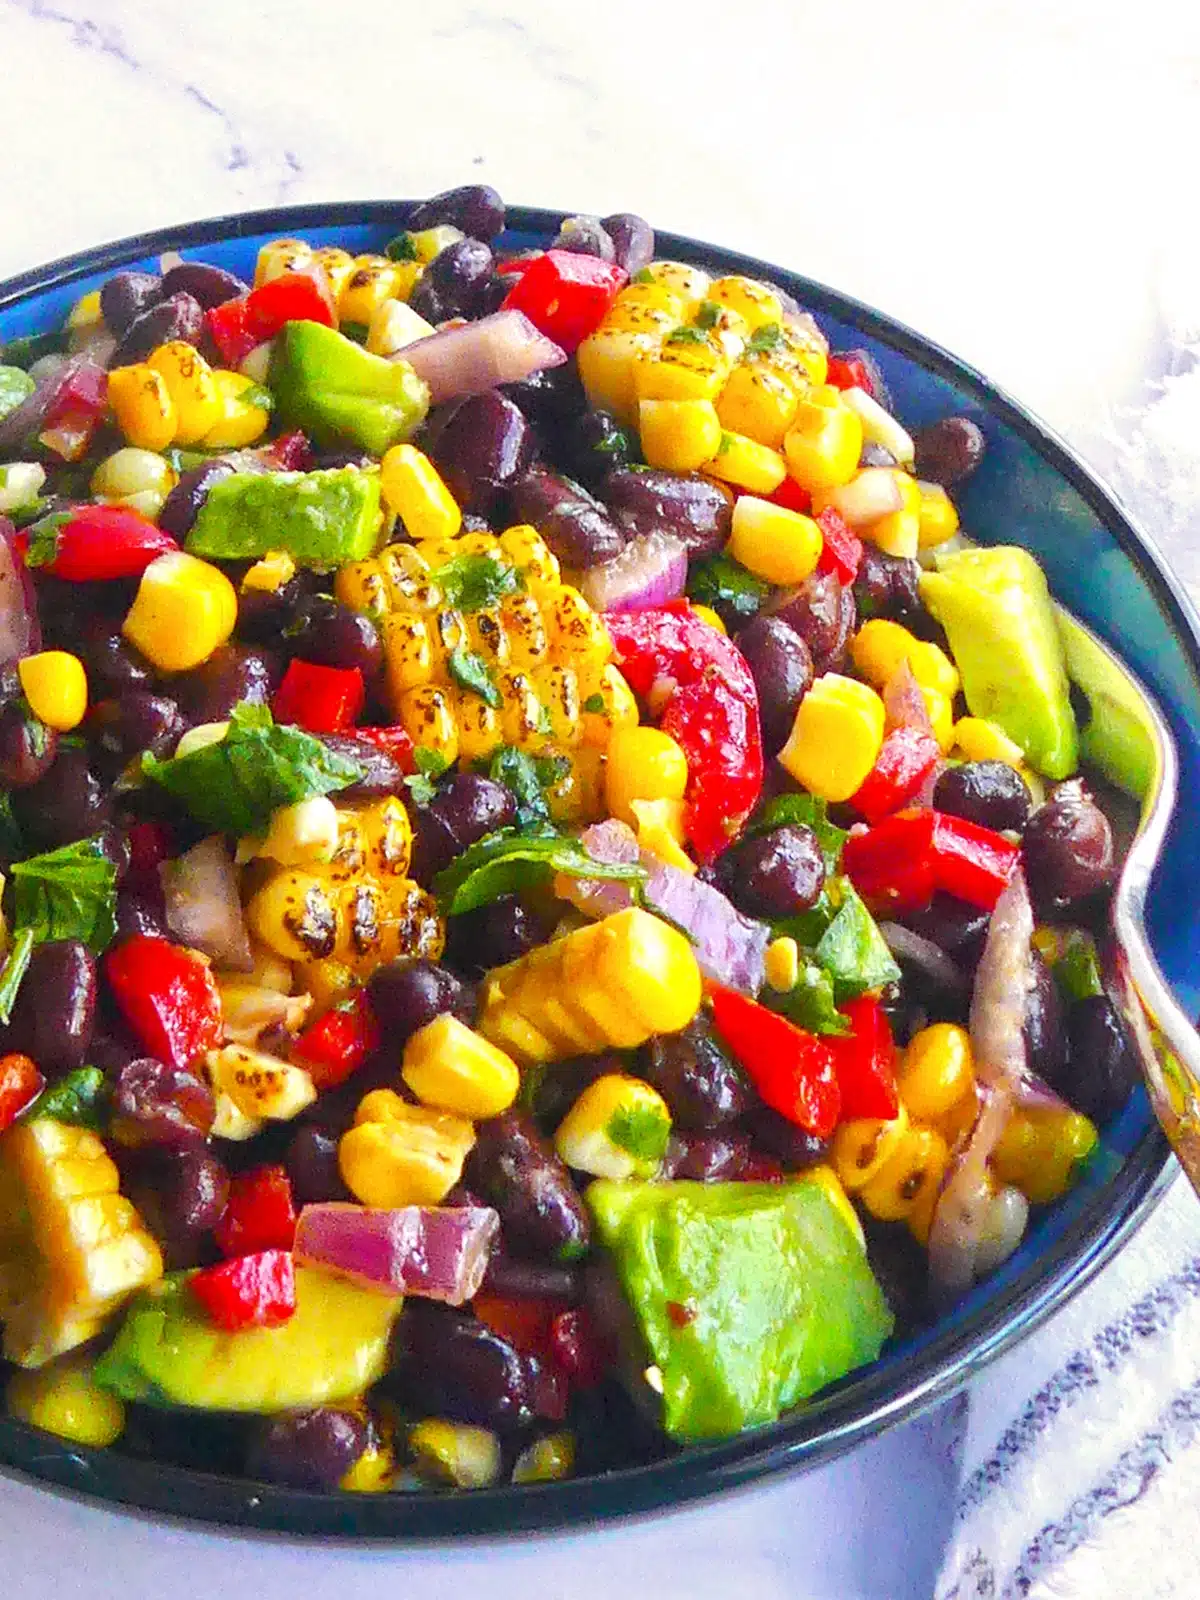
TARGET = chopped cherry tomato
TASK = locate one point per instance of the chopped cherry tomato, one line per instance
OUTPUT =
(259, 1214)
(229, 328)
(20, 1085)
(792, 497)
(291, 297)
(168, 996)
(857, 369)
(906, 758)
(792, 1070)
(97, 544)
(842, 551)
(254, 1291)
(321, 699)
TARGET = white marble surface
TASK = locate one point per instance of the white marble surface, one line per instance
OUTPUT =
(1010, 177)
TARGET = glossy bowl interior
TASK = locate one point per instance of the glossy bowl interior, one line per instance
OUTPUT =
(1030, 491)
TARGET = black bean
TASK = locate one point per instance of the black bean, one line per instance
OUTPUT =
(265, 615)
(518, 1172)
(405, 995)
(822, 612)
(948, 451)
(481, 446)
(1102, 1067)
(459, 274)
(141, 911)
(68, 803)
(136, 720)
(529, 1280)
(1068, 848)
(785, 1141)
(447, 1363)
(573, 523)
(180, 318)
(333, 635)
(166, 1107)
(112, 664)
(558, 1091)
(633, 240)
(428, 303)
(475, 208)
(125, 296)
(887, 586)
(233, 673)
(379, 773)
(697, 511)
(706, 1157)
(191, 1190)
(550, 401)
(782, 668)
(312, 1165)
(311, 1450)
(696, 1077)
(594, 445)
(779, 874)
(1045, 1025)
(209, 286)
(902, 1269)
(28, 748)
(492, 935)
(953, 925)
(990, 793)
(182, 506)
(585, 236)
(493, 294)
(469, 807)
(56, 1006)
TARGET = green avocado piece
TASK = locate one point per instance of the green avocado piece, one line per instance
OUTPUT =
(996, 609)
(332, 1348)
(338, 392)
(320, 518)
(750, 1296)
(1118, 738)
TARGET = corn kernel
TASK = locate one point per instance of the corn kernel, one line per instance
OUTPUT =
(643, 764)
(241, 421)
(450, 1066)
(835, 738)
(937, 1071)
(879, 426)
(976, 739)
(780, 545)
(142, 406)
(261, 1086)
(394, 326)
(682, 369)
(183, 610)
(940, 709)
(430, 242)
(824, 442)
(617, 1128)
(546, 1460)
(898, 533)
(691, 284)
(337, 265)
(193, 391)
(414, 490)
(270, 573)
(678, 435)
(64, 1399)
(373, 1473)
(752, 301)
(85, 314)
(707, 614)
(747, 465)
(782, 963)
(131, 471)
(1040, 1149)
(660, 830)
(759, 402)
(372, 282)
(937, 517)
(862, 1146)
(912, 1169)
(880, 646)
(400, 1155)
(455, 1453)
(55, 685)
(280, 256)
(608, 362)
(303, 833)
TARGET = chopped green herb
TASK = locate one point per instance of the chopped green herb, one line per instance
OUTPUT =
(528, 777)
(853, 951)
(471, 672)
(422, 785)
(401, 248)
(10, 834)
(594, 703)
(471, 583)
(80, 1098)
(727, 587)
(508, 862)
(69, 893)
(260, 396)
(25, 516)
(809, 1003)
(764, 338)
(805, 810)
(644, 276)
(32, 347)
(15, 388)
(708, 315)
(1077, 967)
(43, 539)
(687, 335)
(726, 444)
(641, 1131)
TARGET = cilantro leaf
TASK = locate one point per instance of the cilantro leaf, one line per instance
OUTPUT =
(809, 1003)
(642, 1131)
(15, 968)
(70, 893)
(853, 951)
(422, 784)
(234, 786)
(507, 862)
(687, 335)
(471, 672)
(804, 810)
(644, 276)
(1077, 969)
(356, 332)
(727, 587)
(527, 779)
(470, 583)
(15, 388)
(43, 538)
(401, 248)
(594, 703)
(80, 1098)
(10, 835)
(764, 338)
(708, 315)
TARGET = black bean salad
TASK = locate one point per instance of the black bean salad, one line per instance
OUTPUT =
(549, 903)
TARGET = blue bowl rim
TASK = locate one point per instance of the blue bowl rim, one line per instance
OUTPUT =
(860, 1406)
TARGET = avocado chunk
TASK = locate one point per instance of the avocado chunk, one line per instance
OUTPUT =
(749, 1296)
(167, 1352)
(320, 518)
(1118, 737)
(339, 393)
(996, 609)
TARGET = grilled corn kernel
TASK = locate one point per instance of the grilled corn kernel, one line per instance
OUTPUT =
(608, 362)
(271, 573)
(879, 426)
(707, 614)
(454, 1453)
(373, 1473)
(940, 709)
(337, 265)
(64, 1399)
(691, 284)
(880, 646)
(302, 833)
(912, 1169)
(618, 1128)
(413, 489)
(824, 442)
(976, 739)
(400, 1155)
(863, 1145)
(189, 381)
(294, 913)
(678, 435)
(430, 242)
(183, 610)
(280, 256)
(243, 418)
(747, 465)
(546, 1460)
(261, 1086)
(938, 1069)
(450, 1066)
(835, 738)
(692, 368)
(142, 406)
(55, 685)
(643, 764)
(780, 545)
(898, 533)
(394, 326)
(752, 301)
(129, 472)
(937, 519)
(759, 402)
(373, 281)
(782, 963)
(660, 830)
(1040, 1149)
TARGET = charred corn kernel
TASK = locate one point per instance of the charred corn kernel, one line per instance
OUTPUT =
(758, 401)
(610, 985)
(55, 685)
(824, 442)
(678, 435)
(862, 1146)
(130, 473)
(271, 573)
(777, 544)
(428, 717)
(608, 361)
(682, 368)
(643, 764)
(302, 833)
(607, 703)
(976, 739)
(295, 914)
(394, 326)
(400, 1155)
(72, 1248)
(192, 387)
(707, 614)
(660, 830)
(261, 1086)
(647, 305)
(941, 716)
(547, 1460)
(835, 738)
(243, 416)
(577, 797)
(938, 1069)
(64, 1399)
(269, 971)
(880, 646)
(782, 963)
(280, 256)
(913, 1166)
(1040, 1149)
(325, 982)
(618, 1128)
(937, 519)
(85, 315)
(413, 489)
(450, 1066)
(691, 284)
(142, 406)
(455, 1453)
(751, 300)
(373, 281)
(879, 426)
(430, 242)
(747, 464)
(338, 267)
(373, 1473)
(183, 610)
(803, 344)
(1003, 1229)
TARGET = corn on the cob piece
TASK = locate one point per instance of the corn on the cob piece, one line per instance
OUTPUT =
(72, 1248)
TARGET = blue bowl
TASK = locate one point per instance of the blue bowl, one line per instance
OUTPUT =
(1031, 491)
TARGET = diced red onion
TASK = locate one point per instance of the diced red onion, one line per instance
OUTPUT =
(77, 384)
(929, 958)
(20, 629)
(438, 1252)
(903, 702)
(651, 570)
(872, 494)
(502, 348)
(204, 910)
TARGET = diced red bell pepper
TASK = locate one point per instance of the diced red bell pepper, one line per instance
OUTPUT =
(291, 297)
(566, 296)
(259, 1214)
(792, 1070)
(229, 329)
(394, 741)
(971, 862)
(168, 996)
(898, 864)
(20, 1085)
(906, 758)
(842, 551)
(855, 369)
(98, 544)
(792, 497)
(337, 1044)
(321, 699)
(254, 1291)
(577, 1348)
(525, 1324)
(865, 1062)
